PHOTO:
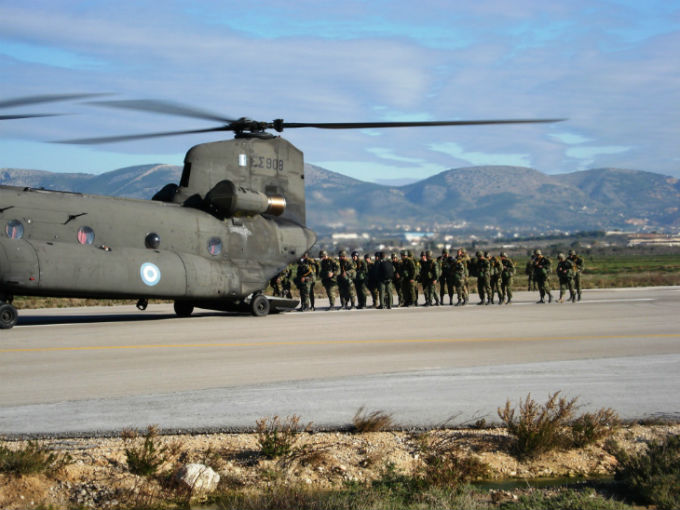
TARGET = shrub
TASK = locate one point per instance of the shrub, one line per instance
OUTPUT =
(653, 477)
(144, 460)
(371, 422)
(33, 458)
(539, 428)
(277, 439)
(450, 469)
(564, 499)
(592, 427)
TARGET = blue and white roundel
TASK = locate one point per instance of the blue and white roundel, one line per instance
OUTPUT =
(150, 274)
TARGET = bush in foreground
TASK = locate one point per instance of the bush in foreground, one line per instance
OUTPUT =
(653, 477)
(539, 428)
(31, 459)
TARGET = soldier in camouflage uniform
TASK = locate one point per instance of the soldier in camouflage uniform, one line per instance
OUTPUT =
(468, 262)
(360, 279)
(329, 277)
(372, 281)
(303, 280)
(385, 274)
(346, 276)
(507, 272)
(577, 262)
(529, 271)
(495, 269)
(287, 282)
(396, 281)
(445, 264)
(483, 271)
(428, 277)
(542, 275)
(316, 269)
(459, 272)
(408, 278)
(565, 274)
(275, 284)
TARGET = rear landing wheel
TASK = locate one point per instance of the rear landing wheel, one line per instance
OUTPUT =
(183, 308)
(259, 306)
(8, 316)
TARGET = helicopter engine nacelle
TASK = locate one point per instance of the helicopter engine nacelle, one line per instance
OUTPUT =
(231, 200)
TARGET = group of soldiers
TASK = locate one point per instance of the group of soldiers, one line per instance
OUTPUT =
(353, 278)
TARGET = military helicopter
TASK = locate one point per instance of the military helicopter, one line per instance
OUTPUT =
(212, 241)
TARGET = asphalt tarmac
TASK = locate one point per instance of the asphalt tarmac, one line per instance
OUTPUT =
(98, 370)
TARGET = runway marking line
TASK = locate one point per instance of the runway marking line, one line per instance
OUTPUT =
(332, 342)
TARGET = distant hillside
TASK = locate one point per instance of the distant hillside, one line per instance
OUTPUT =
(510, 198)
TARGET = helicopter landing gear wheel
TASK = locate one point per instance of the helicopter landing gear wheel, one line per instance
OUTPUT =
(8, 316)
(259, 306)
(183, 308)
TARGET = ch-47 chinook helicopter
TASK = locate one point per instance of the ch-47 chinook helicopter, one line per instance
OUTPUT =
(213, 241)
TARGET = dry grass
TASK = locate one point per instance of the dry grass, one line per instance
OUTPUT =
(375, 421)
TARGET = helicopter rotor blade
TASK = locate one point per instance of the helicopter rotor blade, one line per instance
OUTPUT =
(364, 125)
(165, 107)
(45, 98)
(28, 116)
(125, 138)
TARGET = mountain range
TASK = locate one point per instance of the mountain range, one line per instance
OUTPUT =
(506, 198)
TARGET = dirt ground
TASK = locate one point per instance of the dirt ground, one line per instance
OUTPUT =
(97, 474)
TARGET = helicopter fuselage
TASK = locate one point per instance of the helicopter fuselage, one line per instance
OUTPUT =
(70, 244)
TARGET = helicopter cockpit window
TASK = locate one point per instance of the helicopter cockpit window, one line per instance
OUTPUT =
(152, 241)
(14, 229)
(215, 246)
(85, 235)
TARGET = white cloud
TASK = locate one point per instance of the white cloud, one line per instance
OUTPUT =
(481, 158)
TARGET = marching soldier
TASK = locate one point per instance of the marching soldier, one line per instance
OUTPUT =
(459, 278)
(495, 269)
(396, 281)
(466, 260)
(408, 279)
(565, 274)
(428, 277)
(445, 264)
(541, 268)
(577, 262)
(346, 275)
(507, 272)
(529, 271)
(483, 270)
(316, 269)
(372, 282)
(329, 278)
(385, 273)
(303, 279)
(360, 279)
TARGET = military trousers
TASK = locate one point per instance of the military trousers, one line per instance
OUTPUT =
(506, 287)
(484, 287)
(385, 291)
(304, 288)
(331, 288)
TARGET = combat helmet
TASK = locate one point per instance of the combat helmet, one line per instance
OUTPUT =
(342, 253)
(322, 254)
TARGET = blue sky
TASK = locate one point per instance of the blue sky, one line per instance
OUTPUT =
(610, 67)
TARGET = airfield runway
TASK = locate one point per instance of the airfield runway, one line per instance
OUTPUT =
(98, 370)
